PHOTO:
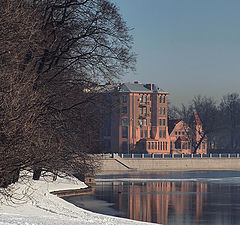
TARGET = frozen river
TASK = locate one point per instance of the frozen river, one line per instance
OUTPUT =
(182, 198)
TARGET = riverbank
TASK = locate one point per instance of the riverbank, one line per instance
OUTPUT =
(39, 206)
(116, 164)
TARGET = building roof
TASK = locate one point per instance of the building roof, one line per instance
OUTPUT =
(172, 124)
(137, 87)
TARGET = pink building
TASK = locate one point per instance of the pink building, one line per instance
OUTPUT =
(138, 122)
(139, 119)
(182, 140)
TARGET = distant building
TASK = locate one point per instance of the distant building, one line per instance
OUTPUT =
(181, 139)
(138, 122)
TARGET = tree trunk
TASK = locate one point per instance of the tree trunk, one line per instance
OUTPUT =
(37, 173)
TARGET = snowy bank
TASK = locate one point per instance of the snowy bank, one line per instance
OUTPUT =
(42, 208)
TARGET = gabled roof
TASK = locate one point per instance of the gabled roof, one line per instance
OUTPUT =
(140, 88)
(172, 124)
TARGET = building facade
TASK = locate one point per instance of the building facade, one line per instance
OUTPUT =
(138, 121)
(182, 139)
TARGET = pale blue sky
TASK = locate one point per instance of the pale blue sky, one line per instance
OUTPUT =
(187, 47)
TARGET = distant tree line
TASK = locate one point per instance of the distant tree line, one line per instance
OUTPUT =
(55, 56)
(220, 122)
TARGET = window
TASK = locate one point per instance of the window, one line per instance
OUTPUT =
(160, 133)
(164, 111)
(124, 109)
(164, 133)
(189, 145)
(171, 144)
(124, 98)
(155, 145)
(140, 121)
(166, 146)
(175, 132)
(152, 145)
(149, 145)
(176, 145)
(160, 99)
(161, 146)
(144, 122)
(141, 133)
(160, 122)
(160, 110)
(146, 133)
(141, 98)
(124, 122)
(203, 145)
(183, 133)
(158, 145)
(179, 132)
(164, 122)
(164, 99)
(145, 98)
(143, 110)
(124, 132)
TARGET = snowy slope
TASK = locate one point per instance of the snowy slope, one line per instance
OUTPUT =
(40, 207)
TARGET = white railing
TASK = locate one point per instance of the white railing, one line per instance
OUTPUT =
(175, 156)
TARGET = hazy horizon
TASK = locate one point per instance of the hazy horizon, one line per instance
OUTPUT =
(186, 47)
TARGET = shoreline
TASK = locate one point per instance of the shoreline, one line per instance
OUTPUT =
(117, 172)
(39, 206)
(73, 192)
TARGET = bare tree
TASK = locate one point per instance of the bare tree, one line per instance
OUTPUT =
(54, 55)
(201, 118)
(230, 111)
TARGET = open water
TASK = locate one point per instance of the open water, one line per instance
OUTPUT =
(170, 198)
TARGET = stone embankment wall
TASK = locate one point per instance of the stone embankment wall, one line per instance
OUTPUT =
(118, 164)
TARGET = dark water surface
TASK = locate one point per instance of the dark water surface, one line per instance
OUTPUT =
(174, 198)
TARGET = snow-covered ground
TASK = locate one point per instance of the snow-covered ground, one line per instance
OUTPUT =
(39, 207)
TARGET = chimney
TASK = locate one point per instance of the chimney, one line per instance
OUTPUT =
(149, 86)
(137, 82)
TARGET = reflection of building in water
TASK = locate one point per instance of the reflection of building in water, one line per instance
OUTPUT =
(168, 196)
(200, 188)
